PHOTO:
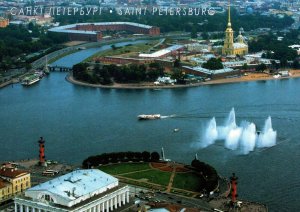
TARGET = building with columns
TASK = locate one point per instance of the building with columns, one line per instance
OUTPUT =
(88, 190)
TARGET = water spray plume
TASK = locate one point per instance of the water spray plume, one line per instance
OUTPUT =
(267, 137)
(211, 133)
(242, 137)
(248, 138)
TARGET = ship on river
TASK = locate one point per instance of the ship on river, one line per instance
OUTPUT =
(149, 117)
(31, 79)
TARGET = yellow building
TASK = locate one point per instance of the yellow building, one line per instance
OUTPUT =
(13, 181)
(5, 190)
(3, 22)
(230, 47)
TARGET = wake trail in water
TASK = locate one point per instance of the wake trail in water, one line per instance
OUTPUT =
(170, 116)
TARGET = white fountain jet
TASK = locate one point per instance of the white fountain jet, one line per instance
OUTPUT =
(267, 138)
(248, 138)
(211, 134)
(230, 124)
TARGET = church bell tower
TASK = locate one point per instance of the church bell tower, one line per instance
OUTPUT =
(228, 48)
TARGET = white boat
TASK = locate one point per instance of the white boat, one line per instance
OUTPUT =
(176, 129)
(277, 76)
(29, 80)
(148, 117)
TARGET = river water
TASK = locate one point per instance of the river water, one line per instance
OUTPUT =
(72, 59)
(80, 121)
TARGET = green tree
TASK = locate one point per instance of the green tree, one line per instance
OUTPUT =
(261, 67)
(213, 64)
(28, 66)
(296, 64)
(194, 32)
(205, 35)
(155, 156)
(177, 63)
(79, 71)
(177, 74)
(146, 156)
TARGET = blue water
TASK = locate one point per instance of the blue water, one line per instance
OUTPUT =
(72, 59)
(79, 121)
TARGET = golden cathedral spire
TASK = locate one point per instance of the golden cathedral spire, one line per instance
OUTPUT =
(230, 47)
(229, 18)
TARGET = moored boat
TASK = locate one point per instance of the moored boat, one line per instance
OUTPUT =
(29, 80)
(148, 117)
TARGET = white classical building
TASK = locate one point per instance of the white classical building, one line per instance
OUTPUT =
(88, 190)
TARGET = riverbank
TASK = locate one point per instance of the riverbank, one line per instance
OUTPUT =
(150, 85)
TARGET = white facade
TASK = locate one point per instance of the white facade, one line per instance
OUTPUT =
(82, 190)
(162, 52)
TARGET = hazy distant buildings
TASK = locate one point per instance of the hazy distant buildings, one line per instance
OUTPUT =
(93, 31)
(39, 20)
(3, 22)
(80, 190)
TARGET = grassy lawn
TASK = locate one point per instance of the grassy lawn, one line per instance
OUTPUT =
(152, 176)
(143, 184)
(188, 181)
(124, 168)
(126, 50)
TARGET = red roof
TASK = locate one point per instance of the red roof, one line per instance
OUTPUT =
(11, 172)
(3, 183)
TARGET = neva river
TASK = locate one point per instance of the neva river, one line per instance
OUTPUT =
(77, 122)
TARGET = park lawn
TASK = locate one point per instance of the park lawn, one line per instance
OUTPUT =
(122, 168)
(189, 181)
(126, 50)
(152, 176)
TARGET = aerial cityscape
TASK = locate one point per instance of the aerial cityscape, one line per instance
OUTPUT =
(149, 105)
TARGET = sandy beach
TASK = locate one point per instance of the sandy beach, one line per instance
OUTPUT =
(150, 85)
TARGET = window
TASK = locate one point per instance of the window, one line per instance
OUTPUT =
(47, 197)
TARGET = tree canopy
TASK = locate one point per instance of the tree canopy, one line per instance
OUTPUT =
(106, 74)
(114, 157)
(213, 64)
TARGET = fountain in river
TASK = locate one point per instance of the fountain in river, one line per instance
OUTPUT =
(244, 138)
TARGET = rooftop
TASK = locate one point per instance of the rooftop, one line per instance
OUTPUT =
(67, 28)
(239, 45)
(162, 52)
(3, 183)
(11, 172)
(79, 184)
(207, 71)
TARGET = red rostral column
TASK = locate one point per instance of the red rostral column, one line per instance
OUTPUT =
(42, 151)
(233, 181)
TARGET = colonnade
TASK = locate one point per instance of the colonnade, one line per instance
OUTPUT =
(108, 204)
